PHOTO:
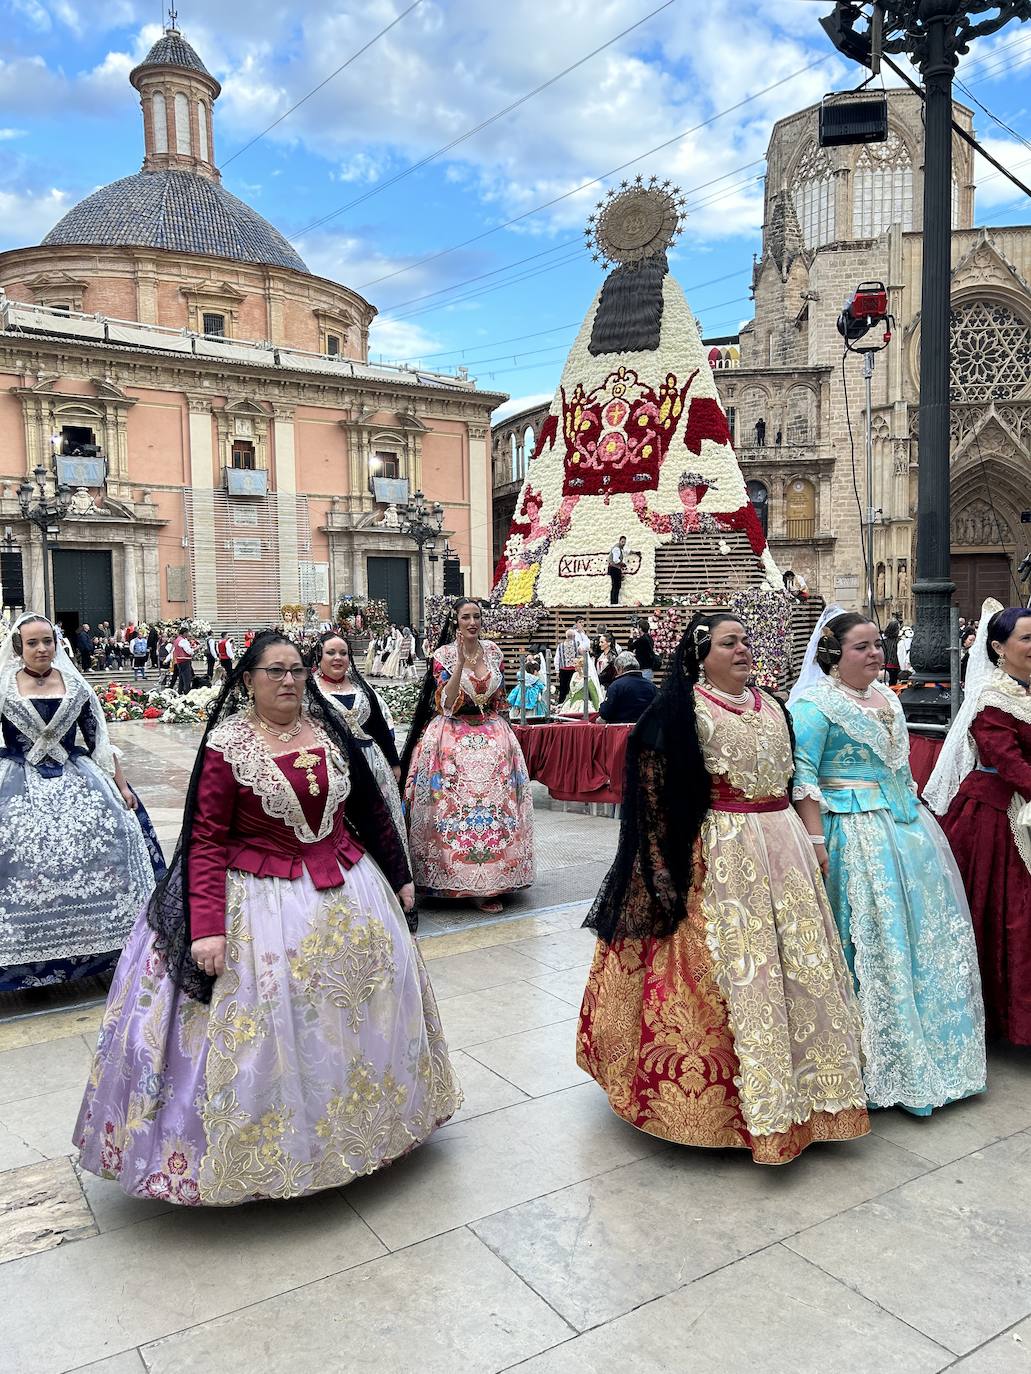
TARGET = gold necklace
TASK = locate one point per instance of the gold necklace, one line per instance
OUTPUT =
(284, 736)
(307, 761)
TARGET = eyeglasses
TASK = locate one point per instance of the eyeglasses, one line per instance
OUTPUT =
(277, 674)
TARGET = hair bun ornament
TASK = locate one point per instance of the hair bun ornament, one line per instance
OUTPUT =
(828, 650)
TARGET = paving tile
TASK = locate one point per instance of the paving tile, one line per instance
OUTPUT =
(603, 1247)
(484, 1091)
(537, 1061)
(474, 1017)
(1009, 1353)
(505, 931)
(567, 983)
(45, 1122)
(112, 1209)
(972, 1124)
(15, 1152)
(41, 1206)
(950, 1253)
(471, 1169)
(140, 1283)
(567, 949)
(55, 1025)
(478, 969)
(33, 1069)
(767, 1312)
(443, 1306)
(129, 1362)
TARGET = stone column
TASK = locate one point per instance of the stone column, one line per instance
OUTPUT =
(479, 511)
(286, 503)
(202, 496)
(131, 599)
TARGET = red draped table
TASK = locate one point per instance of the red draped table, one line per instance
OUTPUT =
(576, 762)
(584, 762)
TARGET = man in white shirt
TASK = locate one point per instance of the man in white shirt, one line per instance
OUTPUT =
(583, 639)
(617, 564)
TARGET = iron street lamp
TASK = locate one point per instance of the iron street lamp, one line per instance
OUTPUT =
(45, 508)
(422, 522)
(933, 34)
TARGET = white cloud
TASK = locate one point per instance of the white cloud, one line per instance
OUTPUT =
(992, 188)
(25, 216)
(398, 340)
(6, 135)
(518, 403)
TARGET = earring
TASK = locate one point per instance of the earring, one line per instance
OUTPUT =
(835, 673)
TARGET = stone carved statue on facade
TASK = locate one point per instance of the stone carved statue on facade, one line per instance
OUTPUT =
(390, 519)
(977, 525)
(81, 503)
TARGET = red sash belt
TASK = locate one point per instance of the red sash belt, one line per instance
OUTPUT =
(726, 798)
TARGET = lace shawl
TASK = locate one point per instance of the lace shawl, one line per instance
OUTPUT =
(255, 767)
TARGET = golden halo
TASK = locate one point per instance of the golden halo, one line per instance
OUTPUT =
(635, 221)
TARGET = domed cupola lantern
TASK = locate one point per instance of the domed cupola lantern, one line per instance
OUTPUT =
(177, 93)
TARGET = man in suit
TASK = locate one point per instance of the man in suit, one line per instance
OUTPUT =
(84, 648)
(629, 696)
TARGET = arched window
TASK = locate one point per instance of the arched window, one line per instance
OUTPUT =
(801, 416)
(157, 119)
(800, 509)
(529, 444)
(813, 195)
(514, 463)
(759, 495)
(182, 123)
(882, 188)
(202, 126)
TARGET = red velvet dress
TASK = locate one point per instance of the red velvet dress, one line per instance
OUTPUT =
(980, 825)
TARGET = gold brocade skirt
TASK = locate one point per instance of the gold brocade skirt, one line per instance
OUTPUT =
(741, 1029)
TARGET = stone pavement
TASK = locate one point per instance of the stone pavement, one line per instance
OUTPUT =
(536, 1231)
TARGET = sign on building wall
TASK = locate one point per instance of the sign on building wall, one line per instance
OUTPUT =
(246, 482)
(245, 515)
(175, 583)
(247, 550)
(845, 583)
(314, 583)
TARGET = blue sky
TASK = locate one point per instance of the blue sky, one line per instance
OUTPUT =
(506, 304)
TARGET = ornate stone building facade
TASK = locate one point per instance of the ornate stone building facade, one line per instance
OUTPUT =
(513, 440)
(834, 218)
(167, 353)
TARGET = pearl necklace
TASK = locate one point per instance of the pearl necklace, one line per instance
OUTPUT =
(736, 699)
(859, 693)
(284, 736)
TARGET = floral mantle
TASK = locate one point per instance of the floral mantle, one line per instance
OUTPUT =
(634, 444)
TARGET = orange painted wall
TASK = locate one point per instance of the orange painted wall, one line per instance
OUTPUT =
(155, 429)
(321, 450)
(12, 429)
(444, 463)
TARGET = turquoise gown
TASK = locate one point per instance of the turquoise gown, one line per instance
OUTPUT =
(898, 901)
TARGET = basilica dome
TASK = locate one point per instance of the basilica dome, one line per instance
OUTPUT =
(176, 202)
(179, 211)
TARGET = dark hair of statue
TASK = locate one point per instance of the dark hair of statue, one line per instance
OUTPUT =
(18, 644)
(168, 911)
(665, 740)
(1001, 626)
(424, 706)
(831, 644)
(629, 314)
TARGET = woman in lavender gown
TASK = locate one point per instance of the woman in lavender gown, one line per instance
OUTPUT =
(271, 1030)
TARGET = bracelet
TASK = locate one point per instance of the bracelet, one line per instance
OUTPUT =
(817, 839)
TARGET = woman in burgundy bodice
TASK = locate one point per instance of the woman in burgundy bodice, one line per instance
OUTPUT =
(982, 784)
(271, 1030)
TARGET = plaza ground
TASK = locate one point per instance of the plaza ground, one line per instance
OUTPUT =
(536, 1231)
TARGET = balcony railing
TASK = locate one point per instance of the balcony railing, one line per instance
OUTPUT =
(799, 530)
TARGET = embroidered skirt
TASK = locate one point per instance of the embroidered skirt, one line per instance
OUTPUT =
(319, 1059)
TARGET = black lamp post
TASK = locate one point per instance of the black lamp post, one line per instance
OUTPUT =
(934, 34)
(422, 521)
(45, 510)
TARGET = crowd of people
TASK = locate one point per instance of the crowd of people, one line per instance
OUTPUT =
(787, 938)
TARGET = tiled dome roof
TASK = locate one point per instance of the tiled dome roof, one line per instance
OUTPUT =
(172, 50)
(177, 211)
